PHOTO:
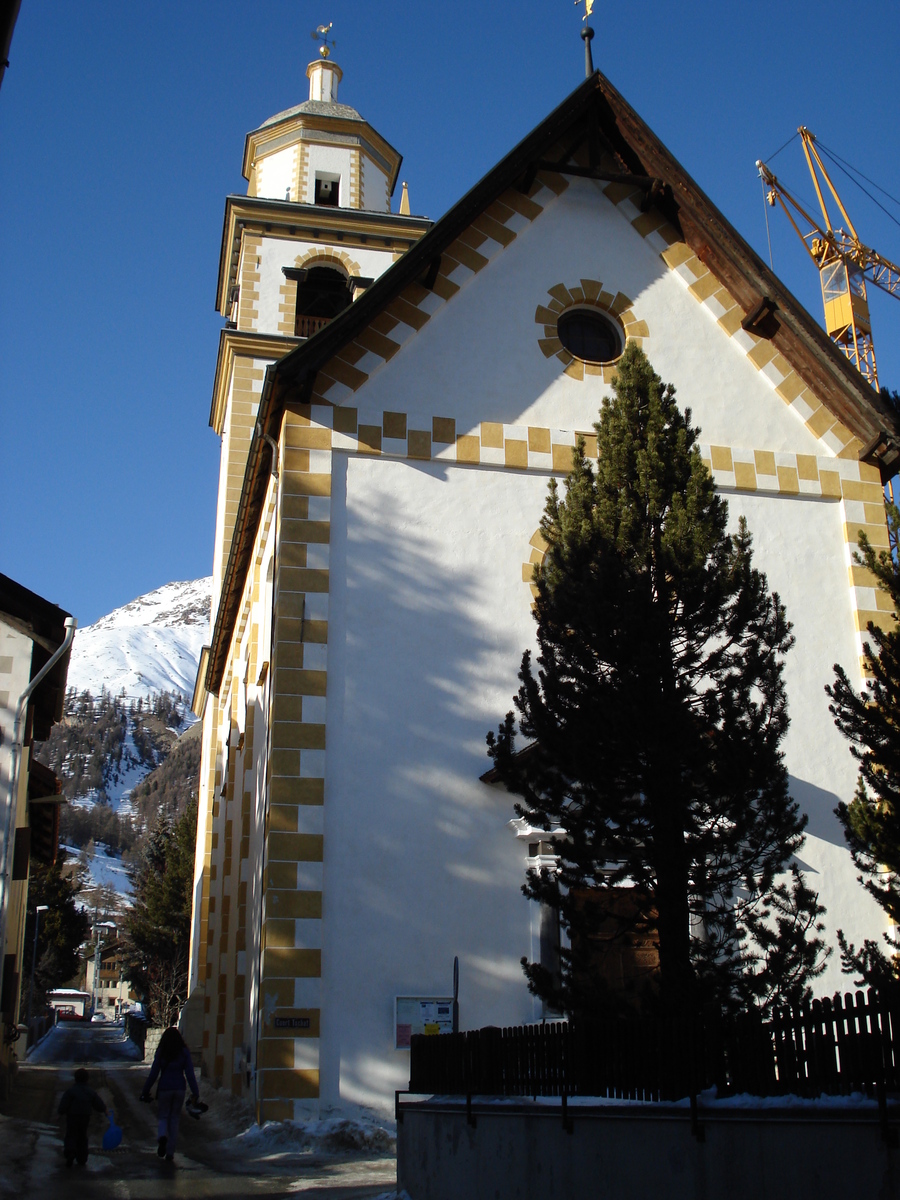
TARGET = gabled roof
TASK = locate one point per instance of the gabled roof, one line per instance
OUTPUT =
(595, 116)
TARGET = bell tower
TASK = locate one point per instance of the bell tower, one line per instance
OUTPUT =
(314, 230)
(321, 152)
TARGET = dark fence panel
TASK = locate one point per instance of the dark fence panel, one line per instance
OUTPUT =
(136, 1029)
(836, 1046)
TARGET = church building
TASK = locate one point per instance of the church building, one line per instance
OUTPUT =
(392, 398)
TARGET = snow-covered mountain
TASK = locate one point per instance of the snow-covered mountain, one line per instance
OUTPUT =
(150, 645)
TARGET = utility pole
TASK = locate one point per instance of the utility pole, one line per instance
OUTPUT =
(95, 988)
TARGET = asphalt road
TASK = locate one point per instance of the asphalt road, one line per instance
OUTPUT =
(207, 1162)
(75, 1042)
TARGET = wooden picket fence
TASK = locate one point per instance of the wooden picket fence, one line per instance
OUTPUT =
(833, 1046)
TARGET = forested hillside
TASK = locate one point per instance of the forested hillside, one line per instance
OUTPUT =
(120, 763)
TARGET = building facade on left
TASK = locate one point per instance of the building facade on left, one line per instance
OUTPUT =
(35, 643)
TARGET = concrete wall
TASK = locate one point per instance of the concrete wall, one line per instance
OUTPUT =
(635, 1152)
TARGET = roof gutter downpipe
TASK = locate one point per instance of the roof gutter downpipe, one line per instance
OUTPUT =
(9, 817)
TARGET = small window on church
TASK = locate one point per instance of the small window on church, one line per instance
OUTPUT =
(590, 335)
(327, 189)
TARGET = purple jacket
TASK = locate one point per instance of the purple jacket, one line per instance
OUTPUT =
(172, 1074)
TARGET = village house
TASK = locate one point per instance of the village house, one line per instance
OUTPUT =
(35, 639)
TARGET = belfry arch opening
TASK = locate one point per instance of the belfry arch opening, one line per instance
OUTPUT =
(322, 293)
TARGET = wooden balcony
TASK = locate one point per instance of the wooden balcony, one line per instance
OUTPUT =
(305, 327)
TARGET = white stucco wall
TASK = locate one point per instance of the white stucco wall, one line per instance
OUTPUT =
(374, 192)
(427, 621)
(478, 357)
(798, 543)
(274, 174)
(327, 160)
(15, 673)
(428, 618)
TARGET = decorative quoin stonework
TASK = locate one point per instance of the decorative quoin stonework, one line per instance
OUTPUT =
(587, 293)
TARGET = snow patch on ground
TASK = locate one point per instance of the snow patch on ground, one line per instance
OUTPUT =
(707, 1099)
(104, 868)
(333, 1135)
(123, 776)
(744, 1100)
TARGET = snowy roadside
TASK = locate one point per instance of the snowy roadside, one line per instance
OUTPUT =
(331, 1135)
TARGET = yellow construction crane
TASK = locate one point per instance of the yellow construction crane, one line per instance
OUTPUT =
(844, 263)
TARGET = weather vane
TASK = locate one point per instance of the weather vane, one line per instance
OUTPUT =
(587, 35)
(321, 32)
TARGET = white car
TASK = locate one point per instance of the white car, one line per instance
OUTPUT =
(99, 1018)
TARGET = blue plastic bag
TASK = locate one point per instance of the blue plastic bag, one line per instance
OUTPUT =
(113, 1134)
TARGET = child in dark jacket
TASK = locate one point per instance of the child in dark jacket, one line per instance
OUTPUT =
(76, 1105)
(172, 1063)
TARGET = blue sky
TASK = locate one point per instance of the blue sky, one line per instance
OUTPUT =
(121, 132)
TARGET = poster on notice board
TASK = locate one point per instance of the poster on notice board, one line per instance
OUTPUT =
(421, 1014)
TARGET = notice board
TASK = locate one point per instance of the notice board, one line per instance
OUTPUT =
(421, 1014)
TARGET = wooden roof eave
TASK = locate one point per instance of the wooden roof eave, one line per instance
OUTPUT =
(718, 245)
(246, 524)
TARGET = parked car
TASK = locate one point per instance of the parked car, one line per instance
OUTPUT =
(99, 1018)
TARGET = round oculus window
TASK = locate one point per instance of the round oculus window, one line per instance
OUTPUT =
(590, 335)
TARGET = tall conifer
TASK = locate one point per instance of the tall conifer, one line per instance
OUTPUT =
(654, 722)
(870, 720)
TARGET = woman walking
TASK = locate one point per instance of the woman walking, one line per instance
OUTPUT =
(172, 1063)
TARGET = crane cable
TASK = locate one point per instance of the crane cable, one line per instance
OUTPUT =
(765, 202)
(780, 148)
(846, 168)
(766, 214)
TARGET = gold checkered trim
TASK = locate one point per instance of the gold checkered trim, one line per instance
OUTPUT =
(707, 290)
(248, 305)
(288, 1072)
(487, 236)
(854, 484)
(587, 292)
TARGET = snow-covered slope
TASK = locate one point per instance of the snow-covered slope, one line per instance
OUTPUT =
(150, 645)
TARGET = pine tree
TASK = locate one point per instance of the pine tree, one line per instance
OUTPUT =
(62, 930)
(870, 720)
(158, 924)
(655, 723)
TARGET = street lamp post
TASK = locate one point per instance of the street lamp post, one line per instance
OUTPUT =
(96, 988)
(37, 922)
